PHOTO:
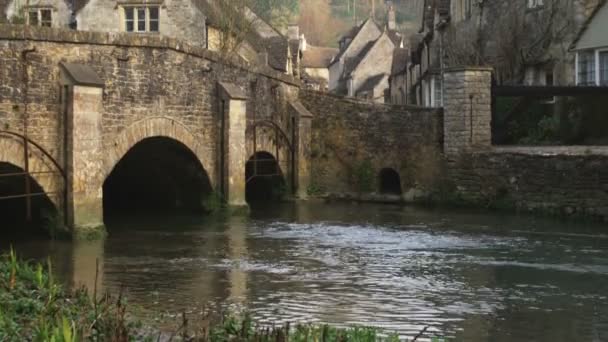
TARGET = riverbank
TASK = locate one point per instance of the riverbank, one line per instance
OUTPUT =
(37, 308)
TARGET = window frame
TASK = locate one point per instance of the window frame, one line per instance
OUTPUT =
(39, 21)
(594, 63)
(598, 71)
(535, 4)
(136, 20)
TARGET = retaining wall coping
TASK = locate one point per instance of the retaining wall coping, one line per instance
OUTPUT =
(468, 68)
(578, 151)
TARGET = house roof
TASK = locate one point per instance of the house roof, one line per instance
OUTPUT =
(586, 24)
(400, 60)
(318, 57)
(371, 83)
(395, 36)
(352, 34)
(351, 63)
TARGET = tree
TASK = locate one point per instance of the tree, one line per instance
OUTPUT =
(505, 35)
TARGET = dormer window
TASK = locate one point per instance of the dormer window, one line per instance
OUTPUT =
(40, 17)
(532, 4)
(141, 19)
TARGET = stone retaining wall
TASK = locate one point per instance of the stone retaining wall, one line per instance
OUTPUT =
(562, 182)
(352, 141)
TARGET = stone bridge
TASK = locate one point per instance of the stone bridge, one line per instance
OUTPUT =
(73, 105)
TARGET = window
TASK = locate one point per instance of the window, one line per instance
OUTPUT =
(535, 3)
(586, 68)
(437, 98)
(603, 61)
(142, 19)
(40, 17)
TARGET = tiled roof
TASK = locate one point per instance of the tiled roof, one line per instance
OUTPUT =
(352, 34)
(580, 33)
(318, 57)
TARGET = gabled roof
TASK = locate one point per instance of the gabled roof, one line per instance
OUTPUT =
(318, 57)
(395, 37)
(352, 34)
(585, 26)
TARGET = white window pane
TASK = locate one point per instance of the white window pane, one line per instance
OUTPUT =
(141, 19)
(33, 17)
(46, 18)
(604, 68)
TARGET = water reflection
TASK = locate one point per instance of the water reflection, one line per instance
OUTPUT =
(466, 275)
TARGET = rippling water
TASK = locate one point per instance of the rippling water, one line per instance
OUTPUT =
(468, 276)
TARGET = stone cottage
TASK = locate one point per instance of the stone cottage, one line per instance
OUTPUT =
(525, 41)
(198, 22)
(363, 64)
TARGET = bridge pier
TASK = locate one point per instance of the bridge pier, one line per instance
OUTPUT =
(83, 148)
(233, 147)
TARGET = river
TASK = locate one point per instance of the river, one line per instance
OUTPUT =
(467, 275)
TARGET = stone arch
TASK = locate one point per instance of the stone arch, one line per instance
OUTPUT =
(389, 182)
(117, 147)
(12, 152)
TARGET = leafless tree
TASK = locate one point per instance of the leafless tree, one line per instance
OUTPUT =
(509, 36)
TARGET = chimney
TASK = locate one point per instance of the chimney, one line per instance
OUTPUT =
(391, 17)
(293, 32)
(303, 43)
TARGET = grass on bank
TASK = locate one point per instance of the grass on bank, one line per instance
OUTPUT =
(34, 307)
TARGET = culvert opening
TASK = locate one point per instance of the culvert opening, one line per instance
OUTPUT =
(390, 182)
(13, 206)
(157, 176)
(265, 180)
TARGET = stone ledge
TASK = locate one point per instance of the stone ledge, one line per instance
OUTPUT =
(55, 35)
(468, 68)
(576, 151)
(356, 101)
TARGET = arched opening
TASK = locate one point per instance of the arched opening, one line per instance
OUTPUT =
(156, 176)
(265, 181)
(13, 204)
(390, 182)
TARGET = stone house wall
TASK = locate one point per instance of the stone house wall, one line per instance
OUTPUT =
(368, 32)
(61, 12)
(378, 60)
(179, 19)
(347, 134)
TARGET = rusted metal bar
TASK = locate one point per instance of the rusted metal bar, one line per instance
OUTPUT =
(25, 173)
(40, 148)
(35, 194)
(28, 185)
(255, 150)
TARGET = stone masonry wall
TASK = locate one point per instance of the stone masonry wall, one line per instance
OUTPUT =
(353, 139)
(564, 181)
(177, 19)
(467, 110)
(153, 85)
